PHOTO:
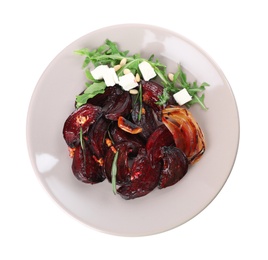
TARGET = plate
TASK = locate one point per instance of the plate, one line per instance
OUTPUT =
(96, 205)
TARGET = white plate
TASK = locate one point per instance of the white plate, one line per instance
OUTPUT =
(95, 205)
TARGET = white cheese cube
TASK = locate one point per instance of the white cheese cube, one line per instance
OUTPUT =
(182, 97)
(147, 70)
(110, 77)
(127, 81)
(99, 71)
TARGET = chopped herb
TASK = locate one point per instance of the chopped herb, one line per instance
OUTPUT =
(81, 138)
(110, 136)
(140, 100)
(114, 172)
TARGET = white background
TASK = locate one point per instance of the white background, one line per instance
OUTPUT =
(233, 33)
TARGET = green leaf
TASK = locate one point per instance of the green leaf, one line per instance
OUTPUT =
(151, 57)
(93, 90)
(89, 75)
(136, 56)
(176, 76)
(114, 172)
(81, 100)
(163, 98)
(133, 66)
(103, 48)
(204, 84)
(182, 77)
(109, 54)
(84, 51)
(161, 74)
(197, 100)
(86, 62)
(113, 47)
(95, 87)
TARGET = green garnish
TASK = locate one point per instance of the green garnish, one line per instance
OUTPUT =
(179, 82)
(114, 172)
(91, 91)
(81, 138)
(109, 54)
(140, 101)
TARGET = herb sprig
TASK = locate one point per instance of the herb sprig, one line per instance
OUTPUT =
(178, 83)
(114, 172)
(109, 54)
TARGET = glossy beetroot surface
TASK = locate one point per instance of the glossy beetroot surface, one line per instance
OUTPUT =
(155, 144)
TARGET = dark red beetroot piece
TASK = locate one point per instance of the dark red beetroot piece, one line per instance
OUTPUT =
(96, 137)
(85, 168)
(83, 117)
(126, 151)
(99, 99)
(118, 135)
(147, 155)
(150, 93)
(122, 107)
(147, 121)
(143, 179)
(110, 102)
(175, 166)
(159, 138)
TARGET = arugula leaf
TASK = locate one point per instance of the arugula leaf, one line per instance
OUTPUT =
(198, 100)
(193, 89)
(90, 92)
(163, 98)
(109, 54)
(179, 82)
(132, 65)
(84, 51)
(89, 75)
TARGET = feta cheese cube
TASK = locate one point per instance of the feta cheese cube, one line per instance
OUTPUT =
(147, 70)
(110, 77)
(99, 71)
(127, 81)
(182, 97)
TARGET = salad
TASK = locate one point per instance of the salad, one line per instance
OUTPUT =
(131, 125)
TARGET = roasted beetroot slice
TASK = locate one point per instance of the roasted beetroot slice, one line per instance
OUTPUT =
(118, 135)
(110, 102)
(83, 117)
(159, 138)
(84, 167)
(126, 150)
(175, 166)
(122, 107)
(144, 178)
(150, 93)
(99, 99)
(147, 121)
(96, 137)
